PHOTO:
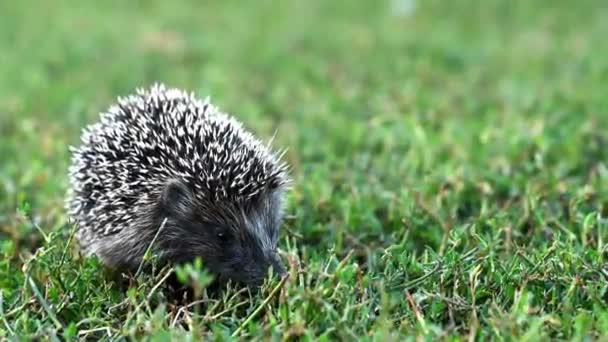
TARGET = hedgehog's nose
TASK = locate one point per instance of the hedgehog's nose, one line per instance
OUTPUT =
(277, 266)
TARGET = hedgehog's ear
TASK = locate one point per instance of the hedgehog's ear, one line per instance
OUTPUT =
(177, 199)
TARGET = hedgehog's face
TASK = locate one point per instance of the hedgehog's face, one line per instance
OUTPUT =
(235, 241)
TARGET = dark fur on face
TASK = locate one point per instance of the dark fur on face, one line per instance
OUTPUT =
(236, 241)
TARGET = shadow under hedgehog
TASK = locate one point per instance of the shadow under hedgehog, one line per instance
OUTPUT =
(163, 159)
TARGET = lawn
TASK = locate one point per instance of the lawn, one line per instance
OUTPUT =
(449, 162)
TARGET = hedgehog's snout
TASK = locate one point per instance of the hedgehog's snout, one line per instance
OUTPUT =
(258, 270)
(277, 266)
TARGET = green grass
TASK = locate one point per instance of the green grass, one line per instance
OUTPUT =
(449, 164)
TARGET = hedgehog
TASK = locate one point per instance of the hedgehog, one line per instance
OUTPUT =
(163, 168)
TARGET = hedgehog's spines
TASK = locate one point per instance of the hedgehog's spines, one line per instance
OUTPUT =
(157, 134)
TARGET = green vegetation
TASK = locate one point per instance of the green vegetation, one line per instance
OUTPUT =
(449, 162)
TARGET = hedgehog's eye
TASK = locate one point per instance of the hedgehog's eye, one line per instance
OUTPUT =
(222, 236)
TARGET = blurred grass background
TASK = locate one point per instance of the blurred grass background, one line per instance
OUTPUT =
(449, 161)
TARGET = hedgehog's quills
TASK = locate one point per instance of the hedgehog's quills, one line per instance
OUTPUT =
(163, 154)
